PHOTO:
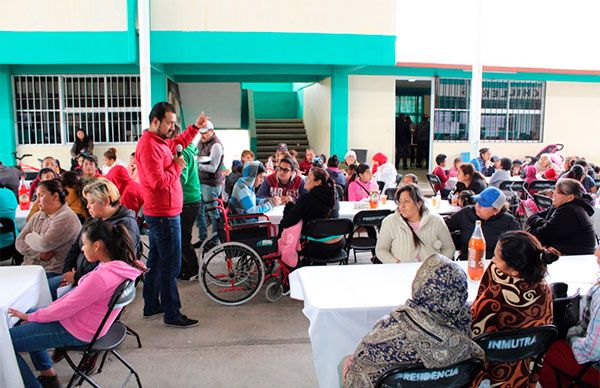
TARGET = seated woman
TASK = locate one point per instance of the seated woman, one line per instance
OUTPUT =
(386, 172)
(567, 224)
(73, 186)
(501, 174)
(432, 328)
(334, 172)
(45, 174)
(469, 179)
(89, 169)
(243, 198)
(103, 201)
(513, 294)
(49, 234)
(320, 202)
(361, 184)
(580, 346)
(130, 191)
(349, 160)
(490, 209)
(110, 160)
(73, 319)
(412, 233)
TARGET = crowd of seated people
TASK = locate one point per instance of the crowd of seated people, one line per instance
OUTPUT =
(53, 238)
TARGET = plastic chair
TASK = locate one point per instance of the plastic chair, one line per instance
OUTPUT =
(517, 344)
(7, 225)
(434, 180)
(416, 375)
(541, 185)
(399, 179)
(340, 192)
(323, 228)
(123, 295)
(380, 185)
(565, 308)
(391, 192)
(362, 219)
(542, 201)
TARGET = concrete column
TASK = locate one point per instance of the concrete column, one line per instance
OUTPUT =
(339, 114)
(144, 47)
(476, 83)
(7, 122)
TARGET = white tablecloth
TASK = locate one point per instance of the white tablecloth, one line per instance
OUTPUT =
(348, 209)
(23, 288)
(343, 303)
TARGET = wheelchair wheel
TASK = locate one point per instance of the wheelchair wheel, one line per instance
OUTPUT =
(231, 273)
(206, 246)
(274, 290)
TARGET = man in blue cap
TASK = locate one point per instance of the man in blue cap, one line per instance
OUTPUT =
(490, 208)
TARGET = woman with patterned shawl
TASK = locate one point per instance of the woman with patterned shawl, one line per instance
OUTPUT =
(513, 294)
(433, 327)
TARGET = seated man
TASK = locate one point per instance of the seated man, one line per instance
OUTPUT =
(284, 183)
(243, 199)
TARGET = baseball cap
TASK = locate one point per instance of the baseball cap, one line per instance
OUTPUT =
(490, 197)
(495, 158)
(282, 147)
(209, 125)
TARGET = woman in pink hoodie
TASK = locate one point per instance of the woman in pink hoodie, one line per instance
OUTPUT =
(361, 184)
(73, 319)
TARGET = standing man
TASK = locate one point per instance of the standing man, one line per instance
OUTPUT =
(159, 168)
(403, 139)
(422, 137)
(192, 198)
(211, 176)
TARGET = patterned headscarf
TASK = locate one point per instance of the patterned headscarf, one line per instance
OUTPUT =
(440, 291)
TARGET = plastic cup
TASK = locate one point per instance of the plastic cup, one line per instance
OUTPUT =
(383, 199)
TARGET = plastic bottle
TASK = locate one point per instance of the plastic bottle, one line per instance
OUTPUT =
(476, 253)
(373, 199)
(24, 200)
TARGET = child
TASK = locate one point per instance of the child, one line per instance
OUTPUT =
(439, 171)
(247, 156)
(237, 167)
(453, 173)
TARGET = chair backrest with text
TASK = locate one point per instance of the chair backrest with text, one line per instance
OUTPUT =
(454, 376)
(433, 181)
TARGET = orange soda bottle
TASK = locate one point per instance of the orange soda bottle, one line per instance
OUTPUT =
(476, 253)
(373, 199)
(24, 200)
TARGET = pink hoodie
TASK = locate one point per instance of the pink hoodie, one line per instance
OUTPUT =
(358, 190)
(81, 310)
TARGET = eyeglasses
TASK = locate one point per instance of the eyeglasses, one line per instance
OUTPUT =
(284, 169)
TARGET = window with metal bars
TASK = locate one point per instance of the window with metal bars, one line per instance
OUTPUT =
(510, 110)
(50, 109)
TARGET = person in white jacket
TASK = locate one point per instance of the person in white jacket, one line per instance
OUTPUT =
(386, 172)
(412, 233)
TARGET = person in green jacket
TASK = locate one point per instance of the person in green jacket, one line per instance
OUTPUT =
(192, 198)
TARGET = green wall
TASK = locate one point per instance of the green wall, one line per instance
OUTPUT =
(7, 123)
(275, 105)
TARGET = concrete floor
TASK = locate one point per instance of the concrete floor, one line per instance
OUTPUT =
(257, 344)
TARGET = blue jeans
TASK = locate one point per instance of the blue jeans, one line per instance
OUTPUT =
(208, 195)
(36, 338)
(53, 284)
(164, 264)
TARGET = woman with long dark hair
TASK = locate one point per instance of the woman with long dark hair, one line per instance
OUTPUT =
(83, 145)
(73, 319)
(320, 202)
(361, 184)
(514, 295)
(412, 232)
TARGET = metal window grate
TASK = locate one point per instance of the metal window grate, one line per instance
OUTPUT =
(510, 110)
(50, 109)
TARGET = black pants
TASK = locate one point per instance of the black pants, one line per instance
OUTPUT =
(189, 214)
(402, 152)
(422, 153)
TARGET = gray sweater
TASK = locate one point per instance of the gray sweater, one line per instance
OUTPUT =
(44, 233)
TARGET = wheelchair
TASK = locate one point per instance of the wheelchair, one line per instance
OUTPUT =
(240, 257)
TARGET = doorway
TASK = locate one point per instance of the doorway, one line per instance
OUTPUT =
(413, 127)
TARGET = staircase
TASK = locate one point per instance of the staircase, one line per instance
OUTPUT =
(269, 133)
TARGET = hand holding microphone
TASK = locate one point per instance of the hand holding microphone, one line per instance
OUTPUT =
(178, 158)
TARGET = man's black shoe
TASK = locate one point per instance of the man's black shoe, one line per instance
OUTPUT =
(183, 322)
(49, 381)
(154, 314)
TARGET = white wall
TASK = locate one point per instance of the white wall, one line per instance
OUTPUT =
(64, 15)
(332, 16)
(514, 33)
(317, 115)
(570, 118)
(371, 112)
(219, 100)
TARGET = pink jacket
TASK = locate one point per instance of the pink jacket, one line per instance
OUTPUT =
(81, 310)
(159, 175)
(358, 190)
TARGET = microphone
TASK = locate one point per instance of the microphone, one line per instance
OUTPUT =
(179, 148)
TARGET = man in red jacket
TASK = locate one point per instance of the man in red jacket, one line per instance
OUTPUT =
(159, 168)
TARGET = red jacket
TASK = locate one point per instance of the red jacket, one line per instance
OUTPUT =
(131, 192)
(305, 166)
(442, 175)
(159, 175)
